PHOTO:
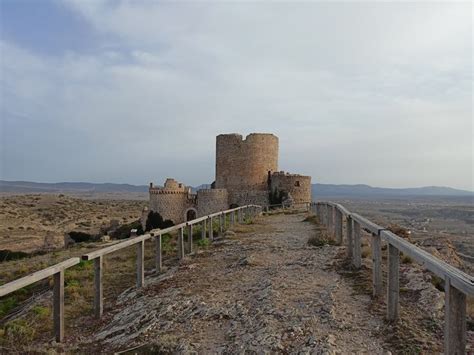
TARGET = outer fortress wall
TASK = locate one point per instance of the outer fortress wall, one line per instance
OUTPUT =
(211, 201)
(299, 186)
(242, 165)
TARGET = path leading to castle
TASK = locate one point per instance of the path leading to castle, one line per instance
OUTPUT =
(263, 289)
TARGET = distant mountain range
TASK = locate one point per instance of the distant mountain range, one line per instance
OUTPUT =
(319, 190)
(67, 187)
(326, 190)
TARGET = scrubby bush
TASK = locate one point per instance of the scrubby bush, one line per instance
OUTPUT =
(7, 255)
(81, 237)
(155, 220)
(321, 239)
(123, 231)
(7, 304)
(438, 282)
(203, 242)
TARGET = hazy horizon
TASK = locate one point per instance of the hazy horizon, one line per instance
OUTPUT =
(131, 92)
(208, 183)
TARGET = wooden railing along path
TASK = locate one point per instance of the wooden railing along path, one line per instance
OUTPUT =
(458, 284)
(237, 215)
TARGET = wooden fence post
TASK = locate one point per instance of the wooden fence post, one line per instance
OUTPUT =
(338, 226)
(332, 217)
(203, 229)
(140, 263)
(325, 215)
(211, 229)
(376, 266)
(221, 227)
(158, 258)
(190, 238)
(232, 218)
(454, 319)
(240, 216)
(393, 286)
(58, 305)
(181, 244)
(329, 219)
(98, 288)
(350, 237)
(356, 258)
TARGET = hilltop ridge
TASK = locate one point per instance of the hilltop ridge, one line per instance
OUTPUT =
(320, 190)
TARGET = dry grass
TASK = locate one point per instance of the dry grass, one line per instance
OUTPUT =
(35, 326)
(366, 252)
(470, 313)
(119, 274)
(26, 220)
(312, 218)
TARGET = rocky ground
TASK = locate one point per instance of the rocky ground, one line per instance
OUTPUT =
(264, 290)
(261, 288)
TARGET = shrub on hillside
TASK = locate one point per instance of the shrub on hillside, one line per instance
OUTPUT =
(155, 220)
(123, 231)
(80, 237)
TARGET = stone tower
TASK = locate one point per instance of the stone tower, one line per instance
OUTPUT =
(244, 166)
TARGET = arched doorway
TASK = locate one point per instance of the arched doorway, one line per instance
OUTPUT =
(191, 214)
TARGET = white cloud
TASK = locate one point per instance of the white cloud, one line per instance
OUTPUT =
(384, 89)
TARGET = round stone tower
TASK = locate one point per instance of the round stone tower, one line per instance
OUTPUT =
(171, 201)
(245, 165)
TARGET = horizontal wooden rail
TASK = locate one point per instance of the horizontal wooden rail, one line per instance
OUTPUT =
(37, 276)
(57, 270)
(459, 279)
(458, 284)
(115, 247)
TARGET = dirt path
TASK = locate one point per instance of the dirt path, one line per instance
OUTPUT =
(263, 289)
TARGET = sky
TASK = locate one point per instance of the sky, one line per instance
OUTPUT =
(378, 93)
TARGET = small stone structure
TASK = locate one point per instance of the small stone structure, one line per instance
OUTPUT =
(246, 173)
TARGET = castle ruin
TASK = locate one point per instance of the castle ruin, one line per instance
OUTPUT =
(246, 173)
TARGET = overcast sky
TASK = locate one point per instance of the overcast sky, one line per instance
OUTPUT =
(136, 91)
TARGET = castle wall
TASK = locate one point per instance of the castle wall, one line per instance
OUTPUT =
(243, 164)
(249, 197)
(299, 186)
(171, 201)
(211, 201)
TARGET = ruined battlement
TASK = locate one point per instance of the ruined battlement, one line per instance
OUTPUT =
(171, 186)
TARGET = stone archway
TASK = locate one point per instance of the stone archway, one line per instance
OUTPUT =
(190, 214)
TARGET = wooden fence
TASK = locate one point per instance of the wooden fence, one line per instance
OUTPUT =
(458, 284)
(237, 215)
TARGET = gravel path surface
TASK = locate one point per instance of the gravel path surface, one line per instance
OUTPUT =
(260, 290)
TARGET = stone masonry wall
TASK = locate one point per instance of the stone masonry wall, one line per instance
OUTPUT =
(249, 197)
(211, 201)
(299, 186)
(171, 201)
(243, 164)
